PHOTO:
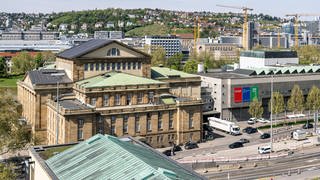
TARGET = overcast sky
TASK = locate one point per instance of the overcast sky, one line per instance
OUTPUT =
(271, 7)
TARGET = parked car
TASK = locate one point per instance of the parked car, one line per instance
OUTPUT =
(264, 150)
(262, 120)
(307, 126)
(235, 145)
(208, 135)
(206, 127)
(177, 148)
(243, 140)
(167, 152)
(251, 121)
(191, 145)
(265, 136)
(250, 130)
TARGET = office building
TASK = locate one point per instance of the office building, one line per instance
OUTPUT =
(233, 91)
(108, 35)
(220, 51)
(171, 44)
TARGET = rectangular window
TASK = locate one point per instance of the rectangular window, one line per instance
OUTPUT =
(140, 97)
(134, 65)
(102, 66)
(93, 101)
(80, 129)
(129, 65)
(137, 122)
(86, 67)
(113, 66)
(106, 100)
(150, 97)
(100, 125)
(118, 66)
(160, 121)
(129, 95)
(97, 66)
(149, 122)
(91, 66)
(139, 65)
(113, 125)
(190, 120)
(117, 100)
(170, 119)
(108, 66)
(125, 124)
(123, 65)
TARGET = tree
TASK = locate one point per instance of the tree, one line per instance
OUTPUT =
(277, 103)
(38, 60)
(158, 56)
(3, 67)
(191, 66)
(22, 63)
(7, 172)
(14, 136)
(313, 99)
(296, 100)
(48, 56)
(174, 62)
(255, 108)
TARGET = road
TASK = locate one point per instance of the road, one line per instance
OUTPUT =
(294, 164)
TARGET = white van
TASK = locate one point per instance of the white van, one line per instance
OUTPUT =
(264, 150)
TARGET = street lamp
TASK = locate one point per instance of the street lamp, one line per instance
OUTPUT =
(271, 93)
(57, 106)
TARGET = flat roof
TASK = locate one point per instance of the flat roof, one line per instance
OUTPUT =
(73, 104)
(167, 73)
(269, 54)
(115, 79)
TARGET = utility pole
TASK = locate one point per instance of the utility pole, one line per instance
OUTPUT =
(57, 115)
(271, 93)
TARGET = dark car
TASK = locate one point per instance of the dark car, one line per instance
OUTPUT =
(235, 145)
(265, 136)
(307, 126)
(177, 148)
(206, 127)
(191, 145)
(243, 140)
(250, 130)
(167, 152)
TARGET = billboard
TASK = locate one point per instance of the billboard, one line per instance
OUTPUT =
(254, 92)
(246, 94)
(237, 94)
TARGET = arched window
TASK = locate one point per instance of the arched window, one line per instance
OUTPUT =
(113, 52)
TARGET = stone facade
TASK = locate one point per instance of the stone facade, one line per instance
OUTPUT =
(138, 110)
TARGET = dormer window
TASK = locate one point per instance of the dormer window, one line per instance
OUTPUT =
(113, 52)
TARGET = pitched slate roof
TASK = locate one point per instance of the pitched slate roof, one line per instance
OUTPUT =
(48, 76)
(92, 45)
(107, 157)
(84, 48)
(115, 79)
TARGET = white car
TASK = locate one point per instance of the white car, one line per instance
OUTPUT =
(264, 150)
(262, 120)
(251, 121)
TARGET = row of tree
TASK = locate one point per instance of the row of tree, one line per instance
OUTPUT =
(24, 61)
(295, 103)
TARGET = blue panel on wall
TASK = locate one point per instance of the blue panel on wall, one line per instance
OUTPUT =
(246, 94)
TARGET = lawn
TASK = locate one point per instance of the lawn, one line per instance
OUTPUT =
(10, 82)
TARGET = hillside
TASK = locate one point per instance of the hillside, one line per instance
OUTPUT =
(149, 30)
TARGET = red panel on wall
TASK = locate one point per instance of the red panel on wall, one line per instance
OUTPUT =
(237, 94)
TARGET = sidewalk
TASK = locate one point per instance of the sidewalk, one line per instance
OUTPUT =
(251, 152)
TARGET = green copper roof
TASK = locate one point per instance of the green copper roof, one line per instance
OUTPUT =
(115, 79)
(107, 157)
(166, 73)
(287, 70)
(168, 100)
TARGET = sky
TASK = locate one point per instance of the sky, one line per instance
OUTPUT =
(271, 7)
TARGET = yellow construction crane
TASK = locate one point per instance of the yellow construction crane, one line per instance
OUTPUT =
(196, 33)
(245, 23)
(296, 24)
